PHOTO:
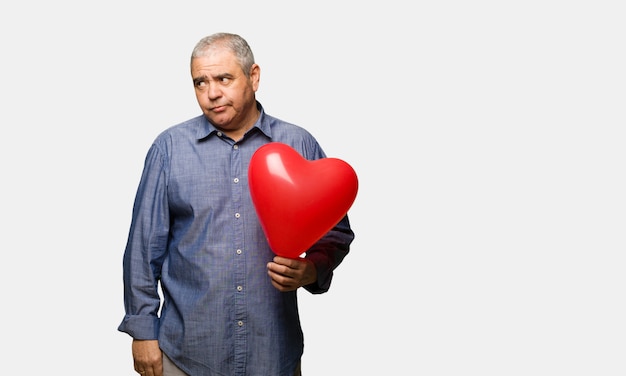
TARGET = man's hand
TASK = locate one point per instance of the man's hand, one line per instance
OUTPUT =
(147, 357)
(288, 274)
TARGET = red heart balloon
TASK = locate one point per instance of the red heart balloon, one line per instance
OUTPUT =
(298, 201)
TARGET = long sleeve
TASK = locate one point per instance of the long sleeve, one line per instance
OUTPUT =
(145, 250)
(328, 253)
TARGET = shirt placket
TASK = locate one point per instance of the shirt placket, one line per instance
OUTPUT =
(239, 286)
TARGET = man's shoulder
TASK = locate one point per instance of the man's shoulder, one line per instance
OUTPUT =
(188, 125)
(187, 128)
(281, 126)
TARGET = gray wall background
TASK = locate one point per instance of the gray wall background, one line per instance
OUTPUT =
(487, 136)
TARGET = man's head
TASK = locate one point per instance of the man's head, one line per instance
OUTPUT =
(225, 79)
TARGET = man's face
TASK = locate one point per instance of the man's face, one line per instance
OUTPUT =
(224, 93)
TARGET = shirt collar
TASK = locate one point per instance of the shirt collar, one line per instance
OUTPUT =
(262, 124)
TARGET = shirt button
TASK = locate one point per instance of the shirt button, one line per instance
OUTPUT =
(237, 215)
(235, 147)
(239, 288)
(236, 180)
(239, 251)
(219, 134)
(240, 323)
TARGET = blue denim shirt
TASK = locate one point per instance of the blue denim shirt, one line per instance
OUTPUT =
(195, 231)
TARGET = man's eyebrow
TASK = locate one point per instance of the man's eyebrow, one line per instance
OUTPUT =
(224, 75)
(199, 79)
(204, 77)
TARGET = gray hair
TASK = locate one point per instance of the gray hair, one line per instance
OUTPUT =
(233, 42)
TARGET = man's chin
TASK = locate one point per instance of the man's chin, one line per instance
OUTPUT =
(220, 121)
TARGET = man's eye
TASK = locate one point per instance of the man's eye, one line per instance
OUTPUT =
(200, 84)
